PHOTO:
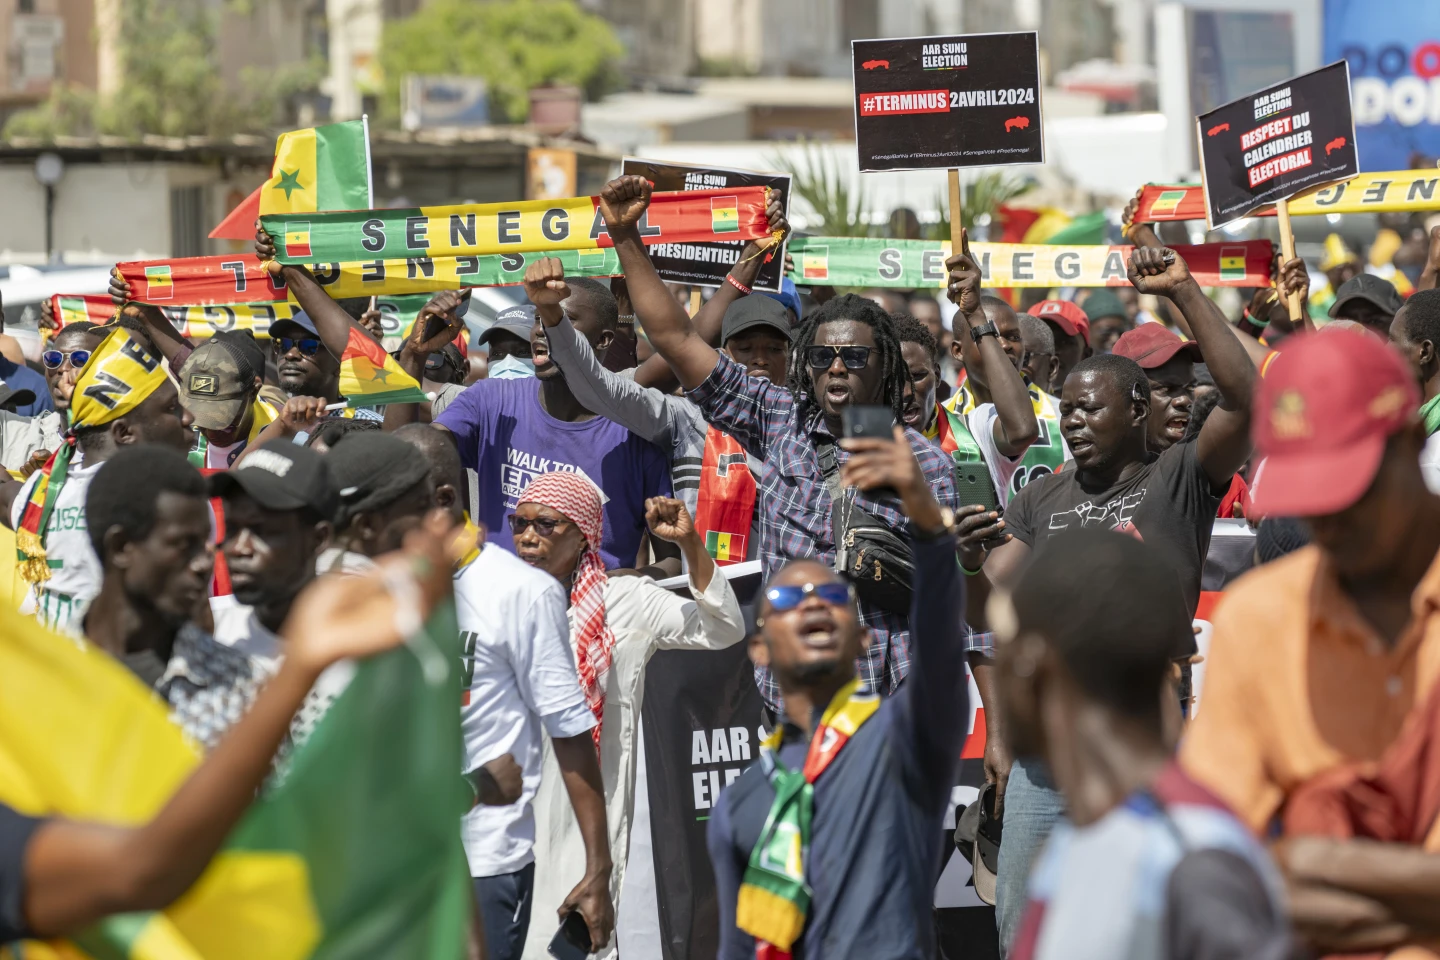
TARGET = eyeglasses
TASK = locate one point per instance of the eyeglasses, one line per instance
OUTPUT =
(55, 359)
(544, 526)
(309, 346)
(788, 598)
(853, 355)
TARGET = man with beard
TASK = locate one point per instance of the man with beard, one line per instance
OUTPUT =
(1167, 499)
(1170, 365)
(710, 472)
(845, 353)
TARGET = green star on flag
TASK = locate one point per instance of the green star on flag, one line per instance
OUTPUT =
(289, 181)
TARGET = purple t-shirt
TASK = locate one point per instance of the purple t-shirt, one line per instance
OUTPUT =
(508, 440)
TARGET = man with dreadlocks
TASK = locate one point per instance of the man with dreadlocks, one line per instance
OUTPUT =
(847, 353)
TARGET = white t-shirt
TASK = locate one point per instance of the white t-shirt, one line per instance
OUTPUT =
(237, 626)
(1011, 474)
(75, 573)
(519, 675)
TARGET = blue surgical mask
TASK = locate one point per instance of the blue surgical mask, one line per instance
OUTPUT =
(512, 368)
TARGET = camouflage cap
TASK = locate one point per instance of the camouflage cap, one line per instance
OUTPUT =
(215, 383)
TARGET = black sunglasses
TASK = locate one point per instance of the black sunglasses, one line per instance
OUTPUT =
(309, 346)
(55, 359)
(853, 355)
(544, 526)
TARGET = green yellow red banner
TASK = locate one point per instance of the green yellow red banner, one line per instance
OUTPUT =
(867, 262)
(1397, 191)
(527, 226)
(194, 321)
(244, 279)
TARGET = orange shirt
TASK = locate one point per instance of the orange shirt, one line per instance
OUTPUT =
(1296, 682)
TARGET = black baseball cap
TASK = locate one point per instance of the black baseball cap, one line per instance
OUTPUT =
(281, 475)
(1367, 286)
(517, 321)
(12, 397)
(752, 311)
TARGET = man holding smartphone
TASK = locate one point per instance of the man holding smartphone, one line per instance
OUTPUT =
(846, 354)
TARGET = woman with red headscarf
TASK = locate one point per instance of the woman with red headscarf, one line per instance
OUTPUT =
(616, 623)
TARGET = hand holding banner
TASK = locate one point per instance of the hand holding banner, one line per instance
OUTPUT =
(525, 226)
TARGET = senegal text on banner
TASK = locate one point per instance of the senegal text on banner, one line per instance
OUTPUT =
(866, 262)
(244, 280)
(1397, 191)
(192, 321)
(525, 226)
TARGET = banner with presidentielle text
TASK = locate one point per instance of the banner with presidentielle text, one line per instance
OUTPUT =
(1395, 191)
(524, 226)
(866, 262)
(243, 279)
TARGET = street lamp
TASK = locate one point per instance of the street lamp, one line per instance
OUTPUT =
(49, 168)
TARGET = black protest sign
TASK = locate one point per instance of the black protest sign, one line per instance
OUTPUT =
(707, 264)
(967, 101)
(1271, 145)
(702, 718)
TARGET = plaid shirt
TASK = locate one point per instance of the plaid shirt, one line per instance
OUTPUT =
(794, 504)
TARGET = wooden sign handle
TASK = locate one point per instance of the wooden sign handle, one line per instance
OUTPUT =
(1287, 253)
(956, 212)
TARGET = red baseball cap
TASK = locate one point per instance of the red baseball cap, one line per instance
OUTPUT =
(1323, 413)
(1153, 345)
(1064, 314)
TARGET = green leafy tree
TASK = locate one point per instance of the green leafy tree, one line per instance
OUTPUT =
(513, 44)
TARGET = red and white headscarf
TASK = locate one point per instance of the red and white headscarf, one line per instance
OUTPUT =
(578, 499)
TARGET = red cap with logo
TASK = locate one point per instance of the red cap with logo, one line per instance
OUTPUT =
(1323, 413)
(1153, 345)
(1064, 314)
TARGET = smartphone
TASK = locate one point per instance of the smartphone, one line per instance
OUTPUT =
(867, 421)
(572, 940)
(972, 483)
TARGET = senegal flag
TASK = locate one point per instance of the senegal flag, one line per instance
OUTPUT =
(725, 547)
(370, 377)
(353, 855)
(320, 168)
(815, 263)
(69, 309)
(1232, 263)
(1167, 202)
(725, 214)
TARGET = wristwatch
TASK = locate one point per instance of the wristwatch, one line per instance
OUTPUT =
(986, 329)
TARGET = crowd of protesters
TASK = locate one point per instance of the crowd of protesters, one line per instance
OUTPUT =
(1039, 513)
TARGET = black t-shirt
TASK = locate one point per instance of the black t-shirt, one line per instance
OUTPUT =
(1168, 504)
(15, 833)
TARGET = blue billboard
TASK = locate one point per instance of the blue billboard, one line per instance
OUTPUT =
(1394, 51)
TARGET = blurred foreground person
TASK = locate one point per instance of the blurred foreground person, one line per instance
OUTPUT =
(829, 846)
(1320, 704)
(616, 624)
(1149, 864)
(59, 876)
